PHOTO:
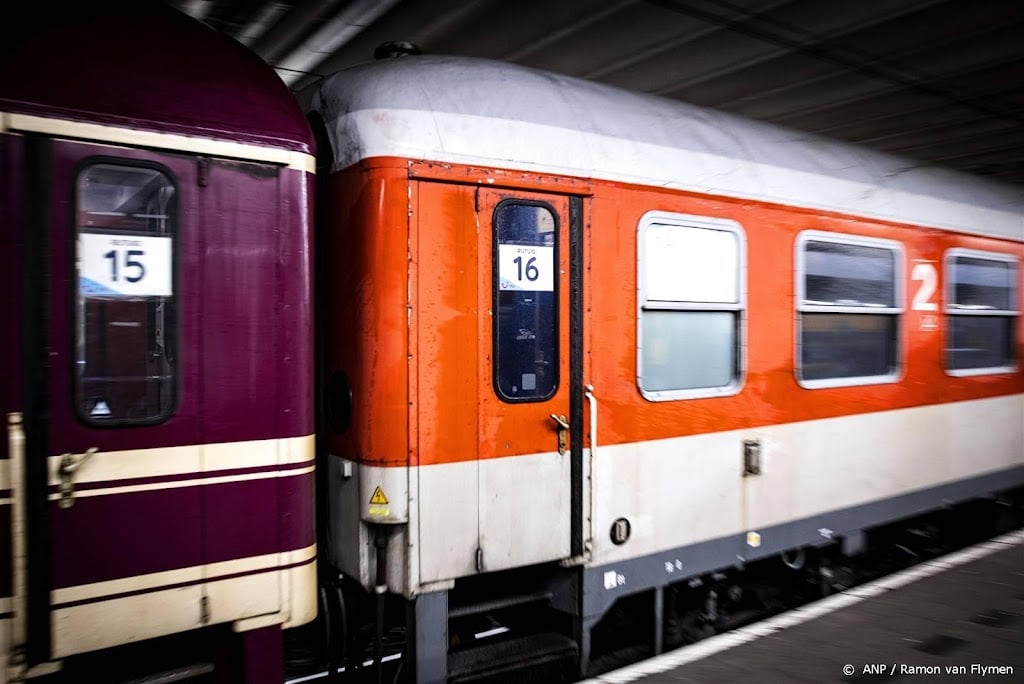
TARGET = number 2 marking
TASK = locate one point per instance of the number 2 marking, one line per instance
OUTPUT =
(929, 278)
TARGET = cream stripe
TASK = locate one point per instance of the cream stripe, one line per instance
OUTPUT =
(190, 460)
(243, 601)
(153, 580)
(136, 138)
(239, 600)
(106, 491)
(197, 573)
(230, 455)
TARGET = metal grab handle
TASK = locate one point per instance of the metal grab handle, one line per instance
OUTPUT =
(588, 392)
(16, 665)
(69, 465)
(592, 400)
(563, 432)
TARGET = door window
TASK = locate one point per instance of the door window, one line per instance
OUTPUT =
(526, 301)
(126, 312)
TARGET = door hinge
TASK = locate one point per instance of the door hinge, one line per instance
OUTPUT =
(203, 175)
(204, 609)
(479, 559)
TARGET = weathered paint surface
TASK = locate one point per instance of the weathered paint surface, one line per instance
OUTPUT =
(414, 241)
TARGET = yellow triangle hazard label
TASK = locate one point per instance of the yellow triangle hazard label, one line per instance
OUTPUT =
(378, 497)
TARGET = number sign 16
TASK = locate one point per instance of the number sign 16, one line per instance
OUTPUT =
(523, 267)
(117, 265)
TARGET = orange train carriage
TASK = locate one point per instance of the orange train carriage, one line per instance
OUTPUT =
(583, 344)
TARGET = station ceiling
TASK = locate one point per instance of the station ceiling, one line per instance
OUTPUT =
(939, 81)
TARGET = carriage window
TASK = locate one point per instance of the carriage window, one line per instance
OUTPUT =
(126, 314)
(981, 312)
(848, 308)
(690, 307)
(526, 302)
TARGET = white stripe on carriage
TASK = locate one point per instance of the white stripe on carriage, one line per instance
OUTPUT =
(189, 461)
(117, 135)
(178, 484)
(170, 578)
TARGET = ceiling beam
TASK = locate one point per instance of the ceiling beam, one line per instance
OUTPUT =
(352, 19)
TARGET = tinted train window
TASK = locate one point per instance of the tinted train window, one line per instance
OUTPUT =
(982, 310)
(526, 301)
(126, 312)
(848, 304)
(690, 308)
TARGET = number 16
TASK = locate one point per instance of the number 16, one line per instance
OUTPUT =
(532, 272)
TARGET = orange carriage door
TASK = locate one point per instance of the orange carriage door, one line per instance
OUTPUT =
(530, 380)
(498, 352)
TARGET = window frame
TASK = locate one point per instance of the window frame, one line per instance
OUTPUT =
(949, 290)
(679, 220)
(496, 293)
(74, 230)
(898, 310)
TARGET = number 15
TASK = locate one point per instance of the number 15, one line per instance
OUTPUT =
(129, 262)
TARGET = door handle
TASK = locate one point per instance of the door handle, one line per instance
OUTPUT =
(69, 465)
(563, 432)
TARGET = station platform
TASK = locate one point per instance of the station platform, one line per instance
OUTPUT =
(958, 618)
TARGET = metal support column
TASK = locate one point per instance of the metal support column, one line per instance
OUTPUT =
(659, 620)
(427, 632)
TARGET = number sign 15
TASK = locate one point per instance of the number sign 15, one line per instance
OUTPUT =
(118, 265)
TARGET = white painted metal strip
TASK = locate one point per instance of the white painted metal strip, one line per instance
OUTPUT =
(677, 478)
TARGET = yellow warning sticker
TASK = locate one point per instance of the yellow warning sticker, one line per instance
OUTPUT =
(378, 497)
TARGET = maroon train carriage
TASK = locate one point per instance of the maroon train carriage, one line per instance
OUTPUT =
(155, 275)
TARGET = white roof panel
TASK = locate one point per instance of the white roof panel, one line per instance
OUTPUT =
(473, 111)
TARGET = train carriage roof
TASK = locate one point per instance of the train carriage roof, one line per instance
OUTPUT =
(465, 110)
(143, 65)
